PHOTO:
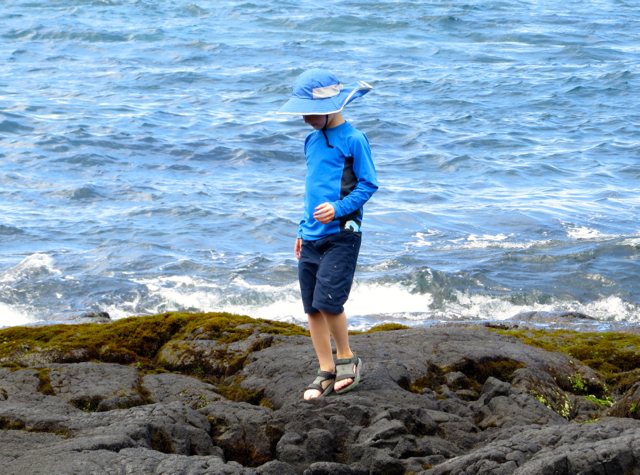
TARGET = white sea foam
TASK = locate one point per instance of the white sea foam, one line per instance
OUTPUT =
(473, 242)
(369, 303)
(261, 301)
(184, 293)
(10, 316)
(422, 239)
(371, 299)
(487, 237)
(633, 241)
(582, 233)
(287, 308)
(613, 309)
(30, 267)
(476, 243)
(485, 307)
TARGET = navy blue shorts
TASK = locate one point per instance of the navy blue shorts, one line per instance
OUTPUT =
(325, 271)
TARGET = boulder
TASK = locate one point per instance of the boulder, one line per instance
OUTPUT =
(275, 467)
(95, 386)
(501, 405)
(169, 387)
(247, 434)
(628, 405)
(130, 460)
(596, 448)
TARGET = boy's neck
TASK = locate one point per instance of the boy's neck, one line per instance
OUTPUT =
(335, 120)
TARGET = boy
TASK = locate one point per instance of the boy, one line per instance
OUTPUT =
(340, 180)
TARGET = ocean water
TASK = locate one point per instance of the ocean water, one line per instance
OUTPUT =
(143, 168)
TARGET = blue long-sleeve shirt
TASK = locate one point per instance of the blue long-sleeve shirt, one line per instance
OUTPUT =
(343, 176)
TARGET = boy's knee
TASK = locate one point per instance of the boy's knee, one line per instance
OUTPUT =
(327, 314)
(329, 308)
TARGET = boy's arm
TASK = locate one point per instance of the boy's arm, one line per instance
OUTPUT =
(366, 174)
(297, 248)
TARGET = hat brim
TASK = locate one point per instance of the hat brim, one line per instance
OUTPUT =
(329, 105)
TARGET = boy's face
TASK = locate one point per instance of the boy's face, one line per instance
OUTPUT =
(316, 121)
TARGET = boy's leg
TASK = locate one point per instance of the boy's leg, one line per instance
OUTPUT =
(337, 325)
(333, 284)
(326, 271)
(322, 326)
(308, 265)
(321, 339)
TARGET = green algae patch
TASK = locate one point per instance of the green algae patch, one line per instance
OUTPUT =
(234, 392)
(385, 327)
(478, 372)
(615, 355)
(161, 442)
(128, 340)
(11, 366)
(87, 403)
(476, 375)
(44, 386)
(433, 379)
(282, 328)
(7, 424)
(228, 328)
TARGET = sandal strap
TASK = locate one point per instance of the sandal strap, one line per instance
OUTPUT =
(322, 377)
(344, 368)
(326, 374)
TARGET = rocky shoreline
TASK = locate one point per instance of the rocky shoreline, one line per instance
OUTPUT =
(221, 394)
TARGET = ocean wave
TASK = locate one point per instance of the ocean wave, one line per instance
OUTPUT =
(9, 230)
(32, 268)
(370, 302)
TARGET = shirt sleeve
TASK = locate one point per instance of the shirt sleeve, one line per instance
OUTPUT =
(365, 173)
(303, 220)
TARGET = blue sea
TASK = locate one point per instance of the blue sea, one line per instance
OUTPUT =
(143, 168)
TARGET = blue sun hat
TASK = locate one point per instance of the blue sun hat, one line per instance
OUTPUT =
(318, 92)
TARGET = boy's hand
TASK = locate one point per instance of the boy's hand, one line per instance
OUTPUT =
(324, 213)
(297, 249)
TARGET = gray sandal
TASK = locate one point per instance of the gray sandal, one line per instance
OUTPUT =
(317, 384)
(344, 370)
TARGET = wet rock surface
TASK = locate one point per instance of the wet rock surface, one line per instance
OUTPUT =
(431, 401)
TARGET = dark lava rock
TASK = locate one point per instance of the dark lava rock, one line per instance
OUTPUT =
(275, 467)
(501, 405)
(330, 468)
(96, 386)
(629, 405)
(168, 387)
(546, 317)
(598, 448)
(96, 315)
(431, 401)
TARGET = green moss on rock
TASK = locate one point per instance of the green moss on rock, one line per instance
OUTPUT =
(385, 327)
(6, 424)
(45, 383)
(161, 442)
(234, 392)
(478, 372)
(433, 379)
(128, 340)
(615, 355)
